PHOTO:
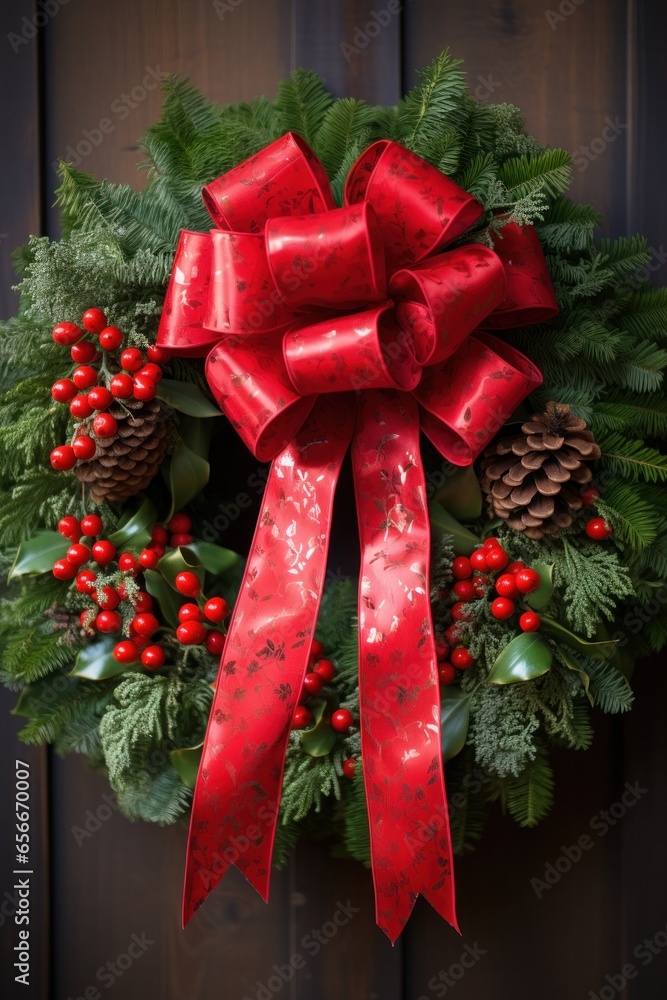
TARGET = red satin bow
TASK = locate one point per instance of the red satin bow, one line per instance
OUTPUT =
(327, 326)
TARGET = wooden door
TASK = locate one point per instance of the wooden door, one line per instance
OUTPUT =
(573, 68)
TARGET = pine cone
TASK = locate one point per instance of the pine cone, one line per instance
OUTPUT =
(127, 462)
(532, 481)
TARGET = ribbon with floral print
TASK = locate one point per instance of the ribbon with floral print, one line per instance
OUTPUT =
(326, 328)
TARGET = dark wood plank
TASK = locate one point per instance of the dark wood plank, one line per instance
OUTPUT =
(566, 75)
(20, 207)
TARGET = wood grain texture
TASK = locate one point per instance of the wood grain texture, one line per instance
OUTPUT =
(20, 203)
(568, 76)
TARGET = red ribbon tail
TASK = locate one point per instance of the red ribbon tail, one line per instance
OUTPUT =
(237, 794)
(400, 701)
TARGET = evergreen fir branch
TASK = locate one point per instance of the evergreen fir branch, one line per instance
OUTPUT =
(478, 176)
(582, 728)
(633, 460)
(568, 226)
(356, 833)
(623, 410)
(302, 104)
(309, 781)
(634, 520)
(467, 802)
(530, 795)
(594, 581)
(33, 651)
(432, 103)
(610, 689)
(548, 172)
(346, 123)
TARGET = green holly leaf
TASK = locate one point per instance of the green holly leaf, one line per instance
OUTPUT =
(597, 650)
(454, 720)
(527, 656)
(442, 523)
(539, 598)
(214, 558)
(134, 530)
(573, 664)
(188, 470)
(96, 661)
(186, 398)
(186, 763)
(180, 560)
(38, 554)
(168, 599)
(461, 495)
(319, 740)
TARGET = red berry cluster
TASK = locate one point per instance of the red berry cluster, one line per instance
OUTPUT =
(92, 387)
(597, 528)
(472, 579)
(322, 671)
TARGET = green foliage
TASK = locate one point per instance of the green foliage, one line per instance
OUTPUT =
(594, 582)
(439, 98)
(302, 104)
(529, 796)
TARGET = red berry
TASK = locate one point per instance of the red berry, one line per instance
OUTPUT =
(453, 633)
(302, 717)
(349, 767)
(144, 388)
(126, 651)
(85, 581)
(156, 354)
(107, 598)
(153, 657)
(191, 633)
(127, 563)
(111, 338)
(156, 547)
(599, 529)
(458, 614)
(215, 641)
(491, 543)
(84, 376)
(131, 359)
(80, 407)
(148, 558)
(527, 580)
(496, 558)
(341, 720)
(506, 586)
(66, 334)
(78, 555)
(63, 390)
(91, 525)
(151, 371)
(446, 673)
(142, 602)
(530, 621)
(183, 539)
(109, 621)
(160, 534)
(461, 568)
(187, 583)
(105, 425)
(589, 495)
(103, 551)
(70, 528)
(63, 569)
(478, 560)
(502, 608)
(316, 649)
(480, 583)
(461, 658)
(465, 590)
(121, 386)
(84, 447)
(326, 670)
(180, 522)
(442, 649)
(313, 683)
(63, 458)
(100, 398)
(87, 622)
(94, 320)
(216, 609)
(189, 612)
(83, 352)
(516, 566)
(145, 624)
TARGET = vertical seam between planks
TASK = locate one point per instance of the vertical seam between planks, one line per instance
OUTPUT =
(631, 152)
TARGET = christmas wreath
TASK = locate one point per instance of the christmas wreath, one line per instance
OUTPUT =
(528, 352)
